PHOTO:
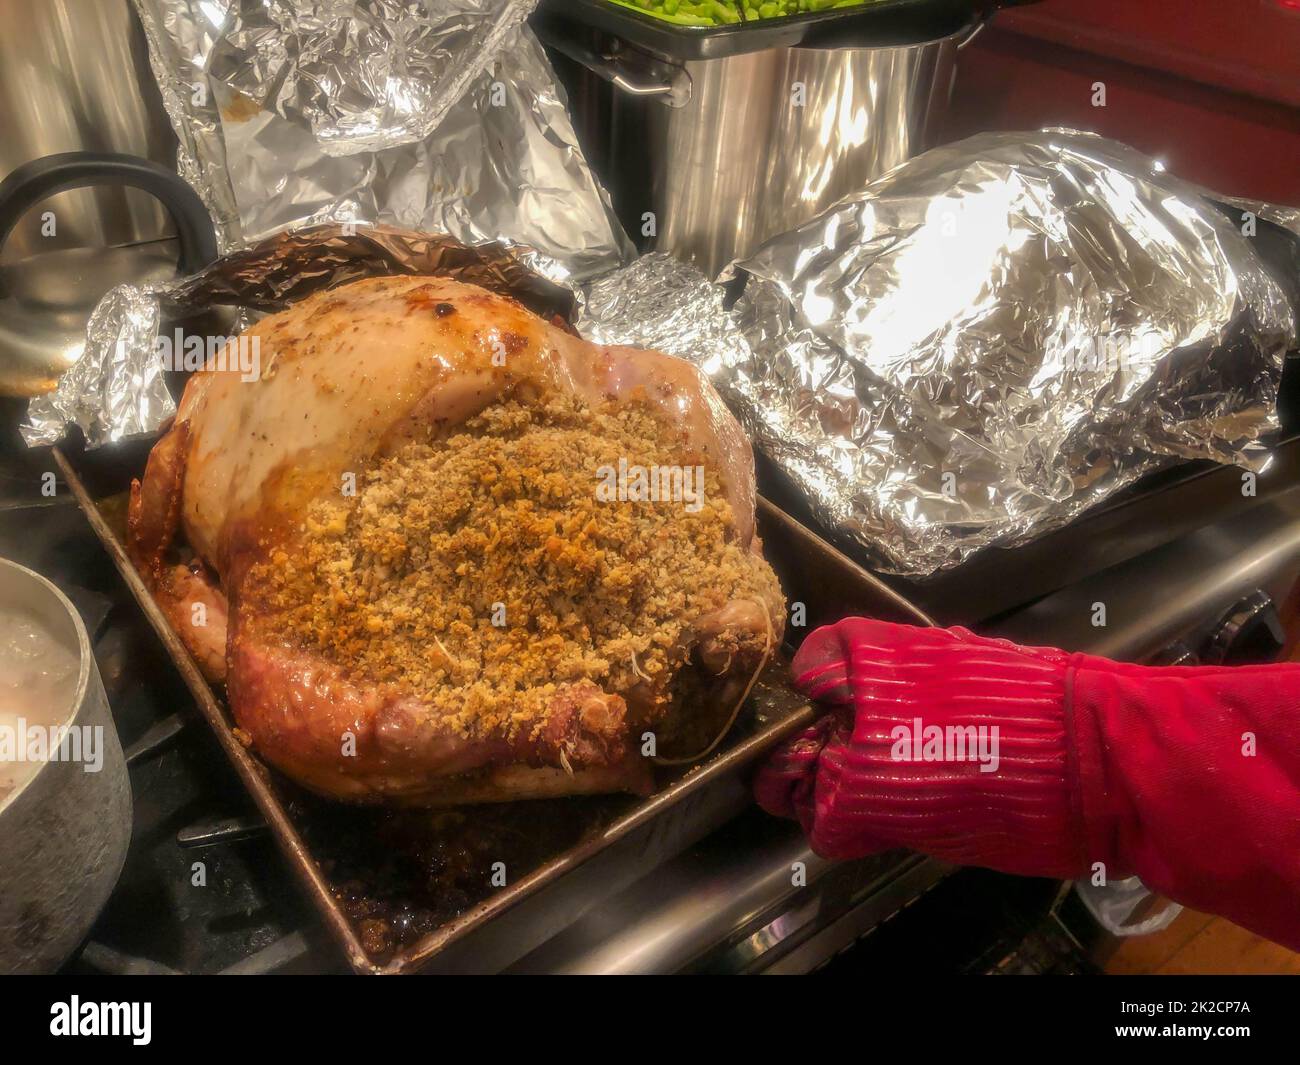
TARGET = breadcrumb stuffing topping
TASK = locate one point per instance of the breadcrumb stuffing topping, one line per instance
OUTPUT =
(400, 584)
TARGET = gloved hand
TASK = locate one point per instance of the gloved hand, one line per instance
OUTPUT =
(1187, 776)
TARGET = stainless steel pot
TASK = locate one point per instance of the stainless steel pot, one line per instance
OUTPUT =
(74, 76)
(726, 152)
(63, 832)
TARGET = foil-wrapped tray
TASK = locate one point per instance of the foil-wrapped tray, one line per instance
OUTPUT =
(999, 335)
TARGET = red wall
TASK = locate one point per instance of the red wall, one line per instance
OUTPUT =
(1212, 87)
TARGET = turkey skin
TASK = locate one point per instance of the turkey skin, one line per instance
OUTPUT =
(440, 550)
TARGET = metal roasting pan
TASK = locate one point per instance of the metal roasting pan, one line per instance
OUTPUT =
(612, 841)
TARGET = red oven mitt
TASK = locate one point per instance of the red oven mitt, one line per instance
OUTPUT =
(1186, 776)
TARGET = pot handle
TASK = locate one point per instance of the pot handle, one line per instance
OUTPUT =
(975, 29)
(646, 77)
(984, 15)
(33, 182)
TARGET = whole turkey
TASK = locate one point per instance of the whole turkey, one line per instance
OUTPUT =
(442, 551)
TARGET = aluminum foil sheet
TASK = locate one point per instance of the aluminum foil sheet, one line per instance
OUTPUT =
(364, 76)
(999, 334)
(119, 389)
(661, 303)
(433, 115)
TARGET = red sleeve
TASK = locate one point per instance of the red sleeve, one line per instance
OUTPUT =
(1188, 777)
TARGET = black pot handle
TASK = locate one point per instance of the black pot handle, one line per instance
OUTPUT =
(33, 182)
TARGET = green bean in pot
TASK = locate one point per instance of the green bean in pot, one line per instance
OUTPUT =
(728, 12)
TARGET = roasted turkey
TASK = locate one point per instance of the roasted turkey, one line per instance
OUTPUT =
(440, 550)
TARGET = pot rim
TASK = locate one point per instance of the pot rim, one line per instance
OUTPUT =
(86, 662)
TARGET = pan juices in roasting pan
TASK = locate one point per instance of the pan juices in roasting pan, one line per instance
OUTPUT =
(441, 551)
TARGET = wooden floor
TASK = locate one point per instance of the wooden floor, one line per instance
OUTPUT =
(1199, 943)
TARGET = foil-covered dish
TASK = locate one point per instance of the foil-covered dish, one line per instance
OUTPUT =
(999, 334)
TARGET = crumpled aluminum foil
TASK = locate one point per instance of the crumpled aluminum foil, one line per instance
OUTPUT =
(433, 115)
(361, 76)
(661, 303)
(999, 334)
(118, 388)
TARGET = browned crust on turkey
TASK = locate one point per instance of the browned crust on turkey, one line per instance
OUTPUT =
(384, 679)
